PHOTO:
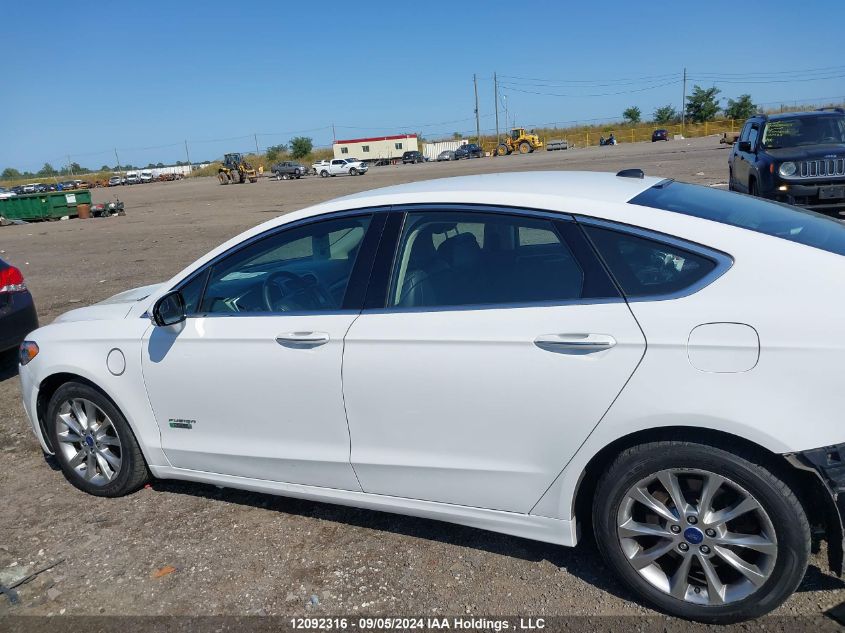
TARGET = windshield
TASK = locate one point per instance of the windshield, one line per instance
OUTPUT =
(754, 214)
(807, 130)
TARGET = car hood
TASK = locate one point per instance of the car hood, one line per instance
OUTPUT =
(116, 307)
(833, 150)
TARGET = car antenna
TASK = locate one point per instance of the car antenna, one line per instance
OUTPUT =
(631, 173)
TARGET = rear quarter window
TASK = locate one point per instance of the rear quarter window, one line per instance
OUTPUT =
(649, 268)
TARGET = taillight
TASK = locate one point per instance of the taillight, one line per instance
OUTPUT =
(11, 280)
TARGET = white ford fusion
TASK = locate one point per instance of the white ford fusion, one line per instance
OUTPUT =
(525, 353)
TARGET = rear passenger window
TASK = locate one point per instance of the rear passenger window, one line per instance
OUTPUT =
(645, 267)
(459, 258)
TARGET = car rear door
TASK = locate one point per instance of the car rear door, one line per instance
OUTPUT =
(490, 346)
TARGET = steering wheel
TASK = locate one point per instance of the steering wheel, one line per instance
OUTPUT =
(288, 285)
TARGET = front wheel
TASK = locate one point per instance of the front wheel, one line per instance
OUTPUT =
(94, 445)
(353, 172)
(700, 532)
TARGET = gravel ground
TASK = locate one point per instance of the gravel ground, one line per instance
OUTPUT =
(185, 549)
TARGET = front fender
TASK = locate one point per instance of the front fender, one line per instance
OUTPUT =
(81, 349)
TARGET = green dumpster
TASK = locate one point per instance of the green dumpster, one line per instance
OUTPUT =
(50, 205)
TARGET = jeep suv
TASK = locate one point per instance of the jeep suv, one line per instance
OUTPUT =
(796, 157)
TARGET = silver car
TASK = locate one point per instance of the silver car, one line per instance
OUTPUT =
(447, 154)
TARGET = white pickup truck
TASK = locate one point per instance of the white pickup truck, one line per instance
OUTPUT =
(350, 166)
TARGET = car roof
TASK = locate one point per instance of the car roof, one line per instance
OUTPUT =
(599, 186)
(792, 115)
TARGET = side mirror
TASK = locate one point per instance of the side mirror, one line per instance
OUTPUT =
(169, 309)
(744, 146)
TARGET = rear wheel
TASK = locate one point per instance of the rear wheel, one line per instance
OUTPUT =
(700, 532)
(324, 174)
(95, 447)
(752, 187)
(502, 149)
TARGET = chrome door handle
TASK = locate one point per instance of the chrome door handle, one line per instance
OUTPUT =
(575, 343)
(302, 339)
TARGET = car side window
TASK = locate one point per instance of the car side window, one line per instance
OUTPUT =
(752, 136)
(644, 267)
(459, 258)
(301, 269)
(745, 131)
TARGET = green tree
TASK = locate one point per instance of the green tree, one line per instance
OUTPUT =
(159, 165)
(274, 151)
(105, 168)
(300, 146)
(47, 170)
(702, 104)
(740, 109)
(11, 173)
(665, 114)
(457, 136)
(632, 114)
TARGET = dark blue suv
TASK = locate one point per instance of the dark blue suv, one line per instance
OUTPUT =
(795, 157)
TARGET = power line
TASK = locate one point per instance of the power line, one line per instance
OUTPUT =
(602, 94)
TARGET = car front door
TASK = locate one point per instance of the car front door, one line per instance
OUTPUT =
(250, 384)
(486, 361)
(338, 166)
(743, 164)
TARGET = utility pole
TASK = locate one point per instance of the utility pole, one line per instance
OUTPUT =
(117, 160)
(496, 101)
(69, 167)
(255, 136)
(684, 104)
(187, 155)
(477, 120)
(334, 136)
(505, 97)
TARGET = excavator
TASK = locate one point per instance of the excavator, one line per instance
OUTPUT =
(236, 169)
(519, 141)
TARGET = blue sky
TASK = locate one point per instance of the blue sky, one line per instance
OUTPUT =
(83, 78)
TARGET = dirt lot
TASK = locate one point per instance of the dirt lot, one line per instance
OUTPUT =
(240, 553)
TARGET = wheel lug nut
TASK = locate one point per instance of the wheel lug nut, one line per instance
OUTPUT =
(683, 547)
(704, 549)
(676, 528)
(710, 532)
(692, 520)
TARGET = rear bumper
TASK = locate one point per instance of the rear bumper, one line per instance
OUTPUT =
(17, 319)
(828, 464)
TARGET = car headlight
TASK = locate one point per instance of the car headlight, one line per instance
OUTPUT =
(787, 169)
(27, 351)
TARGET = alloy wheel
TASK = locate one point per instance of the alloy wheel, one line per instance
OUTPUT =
(89, 441)
(697, 536)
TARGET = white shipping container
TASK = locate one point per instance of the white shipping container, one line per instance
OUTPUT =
(432, 150)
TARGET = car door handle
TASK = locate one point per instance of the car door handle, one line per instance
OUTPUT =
(574, 343)
(302, 339)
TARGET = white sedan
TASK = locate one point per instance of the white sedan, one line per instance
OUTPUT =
(525, 353)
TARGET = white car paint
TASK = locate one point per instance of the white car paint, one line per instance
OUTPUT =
(500, 453)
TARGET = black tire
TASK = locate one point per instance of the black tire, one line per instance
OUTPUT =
(285, 176)
(742, 467)
(752, 187)
(132, 473)
(731, 180)
(297, 173)
(353, 172)
(224, 179)
(324, 174)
